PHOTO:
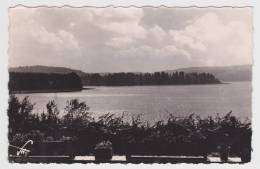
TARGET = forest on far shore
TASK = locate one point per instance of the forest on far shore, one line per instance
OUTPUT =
(157, 78)
(41, 82)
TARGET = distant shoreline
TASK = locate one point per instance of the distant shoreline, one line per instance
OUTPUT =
(45, 91)
(93, 87)
(87, 88)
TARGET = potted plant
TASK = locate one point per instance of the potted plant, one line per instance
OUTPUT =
(103, 151)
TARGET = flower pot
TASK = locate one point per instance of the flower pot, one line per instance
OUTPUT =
(103, 154)
(224, 153)
(245, 155)
(103, 151)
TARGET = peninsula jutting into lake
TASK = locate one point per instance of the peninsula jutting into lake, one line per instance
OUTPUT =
(42, 82)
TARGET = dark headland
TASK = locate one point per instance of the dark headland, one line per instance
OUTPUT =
(20, 82)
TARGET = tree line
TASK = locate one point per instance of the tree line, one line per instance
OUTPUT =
(19, 81)
(157, 78)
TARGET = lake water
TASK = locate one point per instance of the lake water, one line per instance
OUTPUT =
(156, 102)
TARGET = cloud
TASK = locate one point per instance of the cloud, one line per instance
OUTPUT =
(144, 57)
(131, 29)
(31, 43)
(60, 41)
(183, 40)
(123, 21)
(118, 14)
(130, 39)
(215, 41)
(157, 33)
(120, 41)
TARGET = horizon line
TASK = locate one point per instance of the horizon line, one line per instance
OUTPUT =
(174, 69)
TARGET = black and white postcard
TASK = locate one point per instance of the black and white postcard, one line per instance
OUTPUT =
(129, 84)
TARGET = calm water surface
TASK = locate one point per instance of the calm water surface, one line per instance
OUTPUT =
(156, 102)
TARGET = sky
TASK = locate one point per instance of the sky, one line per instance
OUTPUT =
(130, 39)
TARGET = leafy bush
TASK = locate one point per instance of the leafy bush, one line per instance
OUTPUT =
(176, 134)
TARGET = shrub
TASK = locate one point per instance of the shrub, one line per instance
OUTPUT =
(174, 134)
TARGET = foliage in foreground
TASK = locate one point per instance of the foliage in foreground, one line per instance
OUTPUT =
(163, 137)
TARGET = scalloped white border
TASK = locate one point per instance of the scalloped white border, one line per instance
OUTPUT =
(103, 3)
